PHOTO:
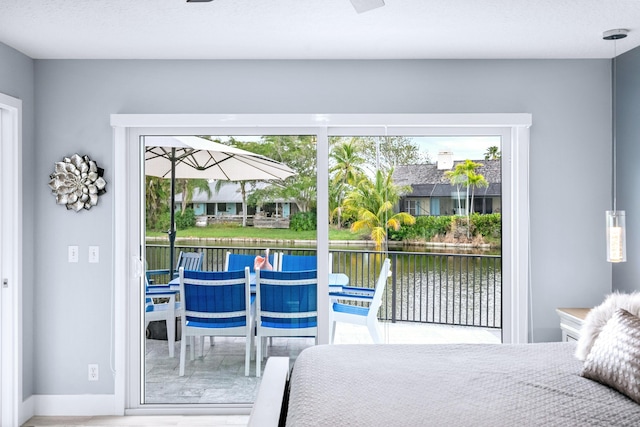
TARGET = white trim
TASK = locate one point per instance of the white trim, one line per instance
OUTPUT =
(520, 242)
(322, 233)
(233, 121)
(515, 235)
(10, 260)
(51, 405)
(129, 127)
(120, 189)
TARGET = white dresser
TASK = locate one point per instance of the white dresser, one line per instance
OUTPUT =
(571, 321)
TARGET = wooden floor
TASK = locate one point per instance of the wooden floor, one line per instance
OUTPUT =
(137, 421)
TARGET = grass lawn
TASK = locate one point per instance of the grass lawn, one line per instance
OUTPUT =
(227, 232)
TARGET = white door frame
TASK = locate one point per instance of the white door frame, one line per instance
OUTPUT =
(10, 260)
(129, 128)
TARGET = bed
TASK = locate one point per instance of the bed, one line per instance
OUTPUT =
(457, 385)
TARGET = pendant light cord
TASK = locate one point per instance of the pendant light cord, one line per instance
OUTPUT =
(613, 127)
(614, 35)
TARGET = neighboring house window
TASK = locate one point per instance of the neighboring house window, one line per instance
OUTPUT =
(412, 207)
(459, 205)
(435, 206)
(483, 205)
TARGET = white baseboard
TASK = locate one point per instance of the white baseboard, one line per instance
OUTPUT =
(73, 405)
(26, 411)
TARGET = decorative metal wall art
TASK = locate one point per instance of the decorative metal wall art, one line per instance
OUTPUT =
(77, 182)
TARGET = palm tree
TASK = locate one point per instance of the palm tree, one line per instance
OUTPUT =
(458, 178)
(475, 180)
(373, 204)
(461, 176)
(346, 170)
(492, 153)
(156, 199)
(188, 187)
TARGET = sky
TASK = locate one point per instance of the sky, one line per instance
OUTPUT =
(463, 147)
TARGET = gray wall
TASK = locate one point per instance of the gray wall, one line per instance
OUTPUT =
(570, 167)
(626, 276)
(16, 80)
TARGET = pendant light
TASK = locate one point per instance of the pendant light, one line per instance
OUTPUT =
(615, 219)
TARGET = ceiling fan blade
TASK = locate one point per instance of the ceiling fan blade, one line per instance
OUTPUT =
(366, 5)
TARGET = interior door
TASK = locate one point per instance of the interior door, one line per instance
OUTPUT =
(2, 346)
(10, 249)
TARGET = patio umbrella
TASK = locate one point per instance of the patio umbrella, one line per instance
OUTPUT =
(192, 157)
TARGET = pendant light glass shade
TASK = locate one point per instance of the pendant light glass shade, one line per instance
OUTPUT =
(616, 236)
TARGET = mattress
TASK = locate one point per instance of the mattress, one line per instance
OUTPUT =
(450, 385)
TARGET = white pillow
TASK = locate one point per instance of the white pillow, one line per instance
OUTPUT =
(600, 315)
(615, 355)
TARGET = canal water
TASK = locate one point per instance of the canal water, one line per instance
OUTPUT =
(343, 244)
(456, 286)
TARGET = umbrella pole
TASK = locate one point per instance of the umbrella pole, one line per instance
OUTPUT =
(172, 228)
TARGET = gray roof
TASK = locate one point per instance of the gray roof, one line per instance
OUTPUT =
(428, 181)
(229, 193)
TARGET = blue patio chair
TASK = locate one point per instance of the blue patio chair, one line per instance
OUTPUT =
(286, 306)
(215, 303)
(366, 315)
(188, 260)
(162, 311)
(298, 262)
(240, 261)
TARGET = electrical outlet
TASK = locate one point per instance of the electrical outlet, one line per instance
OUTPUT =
(93, 372)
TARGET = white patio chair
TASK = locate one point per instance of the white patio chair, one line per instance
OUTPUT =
(360, 315)
(165, 311)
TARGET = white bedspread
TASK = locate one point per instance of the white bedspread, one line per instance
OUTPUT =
(450, 385)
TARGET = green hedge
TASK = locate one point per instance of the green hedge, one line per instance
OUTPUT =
(303, 221)
(427, 227)
(488, 225)
(183, 221)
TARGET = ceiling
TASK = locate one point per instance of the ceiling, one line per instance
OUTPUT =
(317, 29)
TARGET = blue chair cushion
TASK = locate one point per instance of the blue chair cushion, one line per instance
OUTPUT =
(308, 322)
(240, 261)
(360, 292)
(217, 323)
(299, 262)
(350, 309)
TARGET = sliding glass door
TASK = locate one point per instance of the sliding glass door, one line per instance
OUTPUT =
(385, 133)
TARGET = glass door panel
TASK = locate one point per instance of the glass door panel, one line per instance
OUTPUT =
(431, 205)
(251, 208)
